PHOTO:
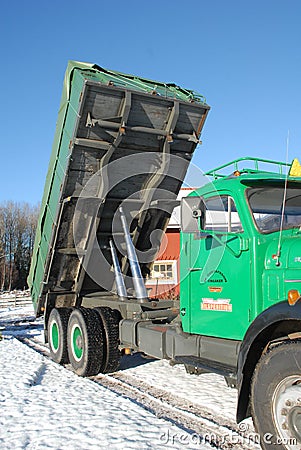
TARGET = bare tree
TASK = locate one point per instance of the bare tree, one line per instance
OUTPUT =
(17, 230)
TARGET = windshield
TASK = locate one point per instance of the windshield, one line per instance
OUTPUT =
(266, 205)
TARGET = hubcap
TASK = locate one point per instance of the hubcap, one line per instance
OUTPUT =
(286, 404)
(54, 336)
(294, 422)
(77, 342)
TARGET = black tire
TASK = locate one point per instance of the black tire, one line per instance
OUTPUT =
(85, 342)
(276, 397)
(57, 334)
(110, 321)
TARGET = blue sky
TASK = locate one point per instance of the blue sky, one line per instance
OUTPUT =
(243, 56)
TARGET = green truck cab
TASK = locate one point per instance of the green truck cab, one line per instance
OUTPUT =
(237, 261)
(121, 151)
(241, 281)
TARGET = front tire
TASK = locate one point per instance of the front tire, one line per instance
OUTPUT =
(85, 342)
(276, 397)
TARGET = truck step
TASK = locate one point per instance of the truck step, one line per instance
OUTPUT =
(207, 365)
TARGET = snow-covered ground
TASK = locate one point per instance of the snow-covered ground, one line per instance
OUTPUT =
(45, 406)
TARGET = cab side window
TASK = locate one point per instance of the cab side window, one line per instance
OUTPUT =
(221, 215)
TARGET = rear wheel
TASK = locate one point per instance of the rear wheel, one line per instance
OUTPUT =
(85, 342)
(276, 397)
(110, 320)
(57, 334)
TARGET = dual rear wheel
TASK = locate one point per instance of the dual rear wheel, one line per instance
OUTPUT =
(57, 334)
(88, 339)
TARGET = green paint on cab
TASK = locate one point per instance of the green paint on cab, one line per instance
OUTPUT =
(232, 270)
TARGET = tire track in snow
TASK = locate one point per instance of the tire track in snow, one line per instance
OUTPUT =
(37, 376)
(204, 424)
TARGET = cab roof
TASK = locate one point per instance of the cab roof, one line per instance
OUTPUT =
(246, 171)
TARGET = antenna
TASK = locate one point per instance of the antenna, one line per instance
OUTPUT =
(283, 204)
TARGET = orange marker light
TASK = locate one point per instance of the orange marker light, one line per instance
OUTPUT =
(293, 296)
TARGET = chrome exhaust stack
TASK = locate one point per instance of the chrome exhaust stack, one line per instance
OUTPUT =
(120, 285)
(138, 282)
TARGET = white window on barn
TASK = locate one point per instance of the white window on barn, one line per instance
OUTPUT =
(163, 272)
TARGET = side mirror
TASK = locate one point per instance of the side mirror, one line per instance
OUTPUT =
(192, 214)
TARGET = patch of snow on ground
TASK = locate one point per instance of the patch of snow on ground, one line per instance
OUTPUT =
(45, 406)
(208, 390)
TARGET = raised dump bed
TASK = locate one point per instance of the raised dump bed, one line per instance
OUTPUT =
(120, 140)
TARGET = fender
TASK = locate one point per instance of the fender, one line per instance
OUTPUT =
(261, 331)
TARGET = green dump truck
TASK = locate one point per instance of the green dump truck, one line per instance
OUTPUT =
(121, 151)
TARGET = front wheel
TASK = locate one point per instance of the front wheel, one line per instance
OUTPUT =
(276, 397)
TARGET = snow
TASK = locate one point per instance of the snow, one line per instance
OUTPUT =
(14, 294)
(208, 390)
(46, 406)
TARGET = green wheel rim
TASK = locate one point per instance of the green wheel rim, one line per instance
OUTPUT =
(55, 336)
(76, 338)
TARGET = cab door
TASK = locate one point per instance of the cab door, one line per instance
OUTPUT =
(219, 273)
